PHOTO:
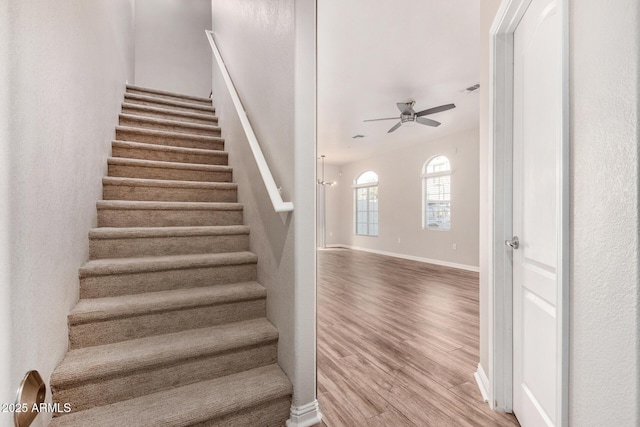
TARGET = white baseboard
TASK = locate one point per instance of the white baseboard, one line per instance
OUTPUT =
(410, 257)
(483, 384)
(305, 416)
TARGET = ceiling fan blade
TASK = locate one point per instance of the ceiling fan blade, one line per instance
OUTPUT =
(395, 127)
(435, 110)
(376, 120)
(428, 122)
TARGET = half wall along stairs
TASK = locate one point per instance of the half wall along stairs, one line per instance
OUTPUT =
(171, 326)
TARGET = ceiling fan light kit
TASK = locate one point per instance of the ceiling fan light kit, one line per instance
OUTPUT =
(409, 117)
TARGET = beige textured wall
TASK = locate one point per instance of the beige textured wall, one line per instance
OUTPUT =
(172, 52)
(604, 313)
(400, 205)
(67, 68)
(6, 392)
(256, 40)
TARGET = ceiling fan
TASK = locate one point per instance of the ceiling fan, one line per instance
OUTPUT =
(409, 116)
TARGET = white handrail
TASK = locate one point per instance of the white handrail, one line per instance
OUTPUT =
(265, 172)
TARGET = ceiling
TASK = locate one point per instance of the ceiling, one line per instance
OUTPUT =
(374, 53)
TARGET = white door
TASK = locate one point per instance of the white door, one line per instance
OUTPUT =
(537, 142)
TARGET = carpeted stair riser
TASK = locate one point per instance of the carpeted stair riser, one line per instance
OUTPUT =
(168, 191)
(257, 397)
(138, 283)
(141, 122)
(143, 214)
(132, 98)
(169, 95)
(202, 118)
(143, 151)
(169, 138)
(128, 328)
(143, 242)
(111, 390)
(145, 169)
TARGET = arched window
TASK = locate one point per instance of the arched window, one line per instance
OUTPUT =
(436, 194)
(365, 191)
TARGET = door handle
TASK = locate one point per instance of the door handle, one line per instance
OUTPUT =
(513, 243)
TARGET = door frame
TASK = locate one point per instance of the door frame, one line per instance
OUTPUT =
(500, 303)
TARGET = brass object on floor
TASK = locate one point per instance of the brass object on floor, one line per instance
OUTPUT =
(32, 391)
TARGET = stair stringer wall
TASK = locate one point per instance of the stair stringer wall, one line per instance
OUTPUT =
(269, 50)
(271, 233)
(259, 58)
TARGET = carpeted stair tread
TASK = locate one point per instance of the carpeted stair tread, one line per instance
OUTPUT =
(124, 161)
(144, 241)
(191, 404)
(183, 116)
(167, 206)
(106, 233)
(167, 93)
(143, 182)
(170, 148)
(99, 362)
(171, 327)
(172, 122)
(141, 110)
(97, 309)
(102, 267)
(167, 103)
(168, 134)
(157, 169)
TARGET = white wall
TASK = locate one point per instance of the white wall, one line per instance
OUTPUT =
(67, 69)
(604, 323)
(172, 52)
(400, 203)
(258, 42)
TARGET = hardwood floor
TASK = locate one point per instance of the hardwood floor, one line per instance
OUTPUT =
(398, 343)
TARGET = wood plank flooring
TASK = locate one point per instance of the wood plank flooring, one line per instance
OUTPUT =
(398, 343)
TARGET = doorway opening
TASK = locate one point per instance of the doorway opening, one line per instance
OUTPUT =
(398, 293)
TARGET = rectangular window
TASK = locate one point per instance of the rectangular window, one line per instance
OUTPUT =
(366, 211)
(437, 203)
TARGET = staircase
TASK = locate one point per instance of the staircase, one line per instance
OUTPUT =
(170, 329)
